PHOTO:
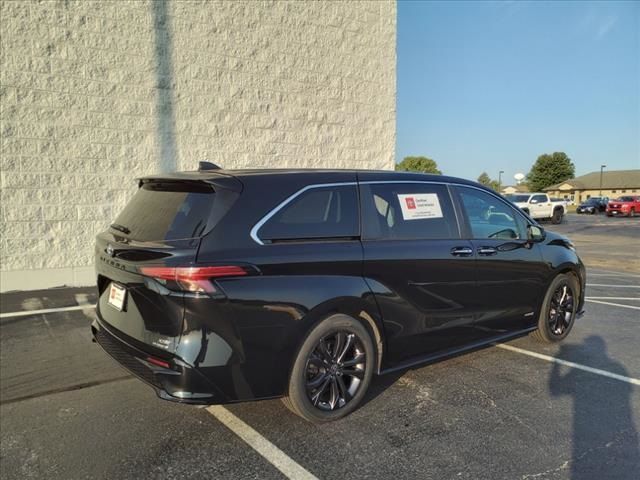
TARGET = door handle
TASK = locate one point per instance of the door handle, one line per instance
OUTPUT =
(461, 251)
(487, 251)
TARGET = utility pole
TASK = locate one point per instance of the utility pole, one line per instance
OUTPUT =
(500, 181)
(602, 167)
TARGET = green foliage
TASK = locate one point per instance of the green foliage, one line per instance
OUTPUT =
(485, 179)
(549, 170)
(418, 164)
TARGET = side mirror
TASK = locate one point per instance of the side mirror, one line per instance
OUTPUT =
(535, 234)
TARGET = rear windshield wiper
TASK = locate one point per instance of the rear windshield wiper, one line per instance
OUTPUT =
(120, 228)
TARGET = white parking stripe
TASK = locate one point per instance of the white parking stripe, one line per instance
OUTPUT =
(597, 371)
(632, 307)
(605, 272)
(614, 286)
(611, 274)
(289, 467)
(612, 298)
(45, 310)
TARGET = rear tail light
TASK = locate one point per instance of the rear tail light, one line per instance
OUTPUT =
(194, 279)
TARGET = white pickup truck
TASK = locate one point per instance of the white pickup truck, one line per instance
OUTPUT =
(539, 206)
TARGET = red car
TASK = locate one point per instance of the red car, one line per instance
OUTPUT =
(624, 206)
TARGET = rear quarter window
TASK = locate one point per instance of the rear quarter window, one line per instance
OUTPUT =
(317, 213)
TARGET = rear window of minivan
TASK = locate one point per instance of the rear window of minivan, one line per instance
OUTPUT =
(318, 213)
(167, 211)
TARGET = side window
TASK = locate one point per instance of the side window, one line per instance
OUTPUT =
(406, 211)
(539, 198)
(489, 217)
(326, 212)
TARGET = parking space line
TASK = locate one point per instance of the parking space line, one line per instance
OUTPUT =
(612, 298)
(276, 457)
(46, 310)
(611, 274)
(578, 366)
(632, 307)
(614, 286)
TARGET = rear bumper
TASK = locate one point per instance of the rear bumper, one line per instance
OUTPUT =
(180, 383)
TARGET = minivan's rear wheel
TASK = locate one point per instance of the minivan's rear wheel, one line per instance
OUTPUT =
(558, 311)
(332, 371)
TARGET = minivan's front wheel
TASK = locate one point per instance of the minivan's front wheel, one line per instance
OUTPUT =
(332, 371)
(558, 311)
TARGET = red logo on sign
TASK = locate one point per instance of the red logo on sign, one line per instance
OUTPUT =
(411, 204)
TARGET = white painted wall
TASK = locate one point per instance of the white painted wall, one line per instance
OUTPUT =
(96, 93)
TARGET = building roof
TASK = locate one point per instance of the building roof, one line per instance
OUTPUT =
(610, 179)
(522, 188)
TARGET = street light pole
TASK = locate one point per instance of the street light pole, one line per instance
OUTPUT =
(500, 181)
(602, 167)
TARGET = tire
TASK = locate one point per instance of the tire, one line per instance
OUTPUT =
(552, 327)
(557, 216)
(593, 212)
(322, 387)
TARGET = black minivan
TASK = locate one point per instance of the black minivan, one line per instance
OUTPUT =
(220, 286)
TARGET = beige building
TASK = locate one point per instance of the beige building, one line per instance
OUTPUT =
(511, 189)
(96, 93)
(614, 184)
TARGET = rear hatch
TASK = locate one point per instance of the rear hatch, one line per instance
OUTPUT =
(157, 234)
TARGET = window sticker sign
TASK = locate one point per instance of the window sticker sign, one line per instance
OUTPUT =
(418, 206)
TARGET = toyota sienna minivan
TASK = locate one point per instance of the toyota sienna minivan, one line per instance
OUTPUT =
(220, 286)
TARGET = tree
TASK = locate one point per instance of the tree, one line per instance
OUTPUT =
(549, 170)
(418, 164)
(485, 179)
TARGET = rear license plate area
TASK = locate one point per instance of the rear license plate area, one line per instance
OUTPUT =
(117, 296)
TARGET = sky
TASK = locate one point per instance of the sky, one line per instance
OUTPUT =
(490, 86)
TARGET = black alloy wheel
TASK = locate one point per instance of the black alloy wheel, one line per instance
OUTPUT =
(559, 308)
(332, 370)
(335, 369)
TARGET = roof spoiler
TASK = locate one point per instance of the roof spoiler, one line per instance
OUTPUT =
(207, 166)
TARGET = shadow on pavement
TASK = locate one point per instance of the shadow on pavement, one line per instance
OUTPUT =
(605, 439)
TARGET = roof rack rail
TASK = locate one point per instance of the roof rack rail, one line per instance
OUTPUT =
(207, 166)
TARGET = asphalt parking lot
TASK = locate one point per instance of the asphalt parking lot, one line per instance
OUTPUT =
(521, 410)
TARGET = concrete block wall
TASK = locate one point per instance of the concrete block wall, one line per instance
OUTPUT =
(96, 93)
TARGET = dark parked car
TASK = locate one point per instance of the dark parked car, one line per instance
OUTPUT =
(592, 206)
(220, 286)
